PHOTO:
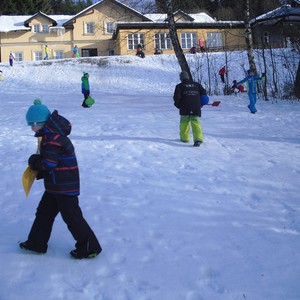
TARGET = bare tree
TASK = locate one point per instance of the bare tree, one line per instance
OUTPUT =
(174, 38)
(249, 39)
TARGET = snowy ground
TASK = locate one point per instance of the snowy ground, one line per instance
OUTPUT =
(175, 222)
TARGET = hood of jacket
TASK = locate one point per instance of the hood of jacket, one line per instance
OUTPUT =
(56, 124)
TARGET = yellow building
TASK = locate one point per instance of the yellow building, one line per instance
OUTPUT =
(109, 27)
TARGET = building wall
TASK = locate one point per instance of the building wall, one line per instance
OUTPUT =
(27, 44)
(232, 39)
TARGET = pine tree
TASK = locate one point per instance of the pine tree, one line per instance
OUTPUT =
(8, 8)
(42, 5)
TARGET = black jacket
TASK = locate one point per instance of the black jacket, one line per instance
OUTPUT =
(57, 162)
(187, 97)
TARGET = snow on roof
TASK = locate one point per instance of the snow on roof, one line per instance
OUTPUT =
(198, 18)
(285, 11)
(12, 23)
(202, 18)
(96, 4)
(60, 19)
(16, 23)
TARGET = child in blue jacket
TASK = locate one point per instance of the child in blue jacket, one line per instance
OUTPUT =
(251, 81)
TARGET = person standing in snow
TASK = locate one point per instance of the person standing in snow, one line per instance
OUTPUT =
(57, 165)
(193, 50)
(251, 81)
(222, 73)
(75, 52)
(85, 88)
(46, 52)
(187, 100)
(237, 88)
(11, 58)
(140, 50)
(201, 45)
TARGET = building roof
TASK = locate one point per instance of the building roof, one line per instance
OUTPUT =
(285, 13)
(19, 23)
(71, 20)
(199, 18)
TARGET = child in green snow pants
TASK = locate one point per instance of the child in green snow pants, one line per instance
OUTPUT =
(185, 122)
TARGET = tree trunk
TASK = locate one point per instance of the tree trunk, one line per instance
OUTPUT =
(249, 40)
(174, 38)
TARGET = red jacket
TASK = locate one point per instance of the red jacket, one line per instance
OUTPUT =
(222, 71)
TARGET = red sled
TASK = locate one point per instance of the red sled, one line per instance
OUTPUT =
(215, 103)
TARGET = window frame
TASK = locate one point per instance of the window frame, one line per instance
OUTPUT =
(45, 28)
(37, 55)
(36, 28)
(162, 41)
(133, 39)
(110, 27)
(61, 54)
(89, 28)
(188, 40)
(19, 56)
(214, 40)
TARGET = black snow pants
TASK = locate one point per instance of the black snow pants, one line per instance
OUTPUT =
(68, 206)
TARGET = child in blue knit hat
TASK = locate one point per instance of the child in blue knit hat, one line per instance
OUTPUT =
(57, 165)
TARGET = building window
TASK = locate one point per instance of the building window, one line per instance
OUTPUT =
(89, 28)
(36, 28)
(162, 41)
(59, 54)
(134, 39)
(38, 55)
(188, 40)
(111, 52)
(45, 28)
(19, 56)
(214, 40)
(110, 27)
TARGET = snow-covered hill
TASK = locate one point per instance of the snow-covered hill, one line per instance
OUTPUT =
(175, 222)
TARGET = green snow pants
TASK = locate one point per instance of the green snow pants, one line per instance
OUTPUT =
(185, 129)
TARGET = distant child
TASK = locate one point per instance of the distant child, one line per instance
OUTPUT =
(85, 88)
(75, 52)
(238, 88)
(57, 165)
(186, 99)
(46, 52)
(251, 81)
(158, 51)
(11, 58)
(222, 73)
(140, 50)
(193, 50)
(201, 45)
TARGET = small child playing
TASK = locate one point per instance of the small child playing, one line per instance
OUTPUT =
(57, 165)
(238, 88)
(85, 88)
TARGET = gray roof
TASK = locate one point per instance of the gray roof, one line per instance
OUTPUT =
(285, 13)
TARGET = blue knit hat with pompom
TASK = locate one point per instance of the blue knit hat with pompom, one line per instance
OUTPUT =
(37, 114)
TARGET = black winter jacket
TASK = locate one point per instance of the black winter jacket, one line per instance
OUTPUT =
(187, 97)
(57, 162)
